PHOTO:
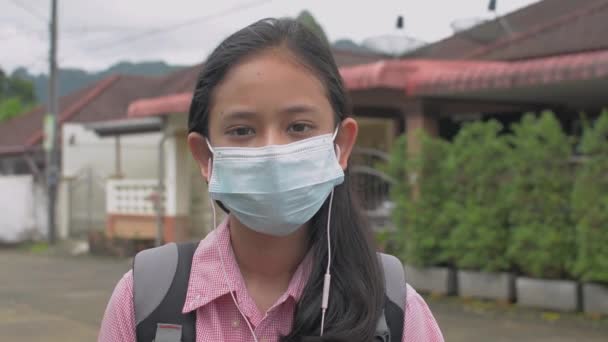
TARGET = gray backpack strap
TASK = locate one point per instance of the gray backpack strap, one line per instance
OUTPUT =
(390, 324)
(160, 284)
(152, 266)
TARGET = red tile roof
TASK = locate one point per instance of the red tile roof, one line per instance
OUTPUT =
(519, 74)
(107, 99)
(432, 77)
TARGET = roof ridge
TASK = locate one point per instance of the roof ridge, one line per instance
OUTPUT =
(355, 53)
(74, 108)
(540, 28)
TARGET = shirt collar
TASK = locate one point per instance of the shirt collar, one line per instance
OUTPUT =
(207, 281)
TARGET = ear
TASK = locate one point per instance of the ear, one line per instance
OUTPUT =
(201, 153)
(346, 138)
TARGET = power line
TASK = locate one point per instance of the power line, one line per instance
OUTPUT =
(68, 31)
(161, 30)
(29, 10)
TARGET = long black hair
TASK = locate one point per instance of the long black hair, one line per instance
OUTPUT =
(357, 286)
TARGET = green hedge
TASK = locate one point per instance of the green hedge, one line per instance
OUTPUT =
(421, 229)
(476, 171)
(498, 202)
(590, 204)
(542, 241)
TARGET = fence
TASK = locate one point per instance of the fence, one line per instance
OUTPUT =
(87, 209)
(372, 185)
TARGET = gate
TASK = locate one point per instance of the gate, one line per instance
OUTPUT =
(372, 186)
(87, 203)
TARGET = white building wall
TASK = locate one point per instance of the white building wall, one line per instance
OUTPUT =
(23, 206)
(88, 161)
(83, 148)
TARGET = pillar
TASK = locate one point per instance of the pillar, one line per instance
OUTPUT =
(419, 118)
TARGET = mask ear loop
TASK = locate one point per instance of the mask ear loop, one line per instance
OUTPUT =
(333, 136)
(327, 278)
(211, 203)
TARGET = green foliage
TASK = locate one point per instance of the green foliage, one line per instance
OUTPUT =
(16, 96)
(590, 204)
(476, 172)
(542, 241)
(419, 219)
(12, 107)
(494, 202)
(11, 87)
(306, 18)
(400, 195)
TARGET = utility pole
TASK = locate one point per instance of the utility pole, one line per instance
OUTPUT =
(52, 123)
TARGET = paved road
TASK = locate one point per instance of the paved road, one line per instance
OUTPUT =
(62, 299)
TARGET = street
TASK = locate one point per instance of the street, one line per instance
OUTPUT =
(63, 298)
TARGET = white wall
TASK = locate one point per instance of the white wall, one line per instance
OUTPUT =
(23, 207)
(83, 148)
(177, 166)
(82, 151)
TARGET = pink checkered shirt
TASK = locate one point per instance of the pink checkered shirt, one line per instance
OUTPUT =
(218, 319)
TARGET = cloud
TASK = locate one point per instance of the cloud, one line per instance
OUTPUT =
(96, 34)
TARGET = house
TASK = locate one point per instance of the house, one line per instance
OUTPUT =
(87, 161)
(553, 56)
(550, 55)
(110, 163)
(184, 208)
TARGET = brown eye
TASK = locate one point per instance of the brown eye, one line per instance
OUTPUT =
(300, 128)
(241, 131)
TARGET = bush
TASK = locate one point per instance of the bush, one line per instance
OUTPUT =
(542, 241)
(475, 175)
(418, 195)
(590, 204)
(12, 107)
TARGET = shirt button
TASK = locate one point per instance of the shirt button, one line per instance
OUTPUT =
(235, 323)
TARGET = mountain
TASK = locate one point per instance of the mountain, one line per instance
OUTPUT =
(73, 79)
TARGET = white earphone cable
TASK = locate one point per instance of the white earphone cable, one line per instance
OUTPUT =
(255, 339)
(327, 278)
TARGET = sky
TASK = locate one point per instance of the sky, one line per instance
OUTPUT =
(96, 34)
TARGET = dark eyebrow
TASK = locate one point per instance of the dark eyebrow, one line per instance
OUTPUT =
(239, 114)
(299, 109)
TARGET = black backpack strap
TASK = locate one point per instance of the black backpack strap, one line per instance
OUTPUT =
(390, 324)
(160, 284)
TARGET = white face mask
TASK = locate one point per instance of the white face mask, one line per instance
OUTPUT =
(275, 189)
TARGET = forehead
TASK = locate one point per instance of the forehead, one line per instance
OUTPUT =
(273, 77)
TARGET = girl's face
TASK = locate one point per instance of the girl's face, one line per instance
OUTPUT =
(270, 99)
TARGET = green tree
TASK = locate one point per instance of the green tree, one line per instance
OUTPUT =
(419, 195)
(476, 176)
(16, 96)
(542, 240)
(590, 204)
(306, 18)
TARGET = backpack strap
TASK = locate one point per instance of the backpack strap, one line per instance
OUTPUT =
(390, 323)
(158, 308)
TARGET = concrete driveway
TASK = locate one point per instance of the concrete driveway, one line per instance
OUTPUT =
(44, 298)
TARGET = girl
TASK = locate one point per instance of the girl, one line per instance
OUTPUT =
(293, 260)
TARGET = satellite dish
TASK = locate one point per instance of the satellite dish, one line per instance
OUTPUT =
(393, 45)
